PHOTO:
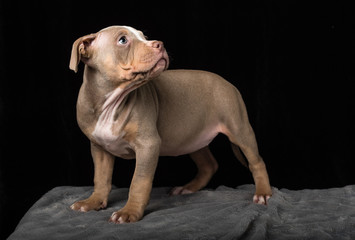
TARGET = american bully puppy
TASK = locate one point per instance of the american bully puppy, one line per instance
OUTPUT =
(130, 107)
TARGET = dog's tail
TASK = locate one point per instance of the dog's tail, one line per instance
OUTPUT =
(239, 155)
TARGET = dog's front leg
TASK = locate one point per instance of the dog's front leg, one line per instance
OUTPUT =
(104, 163)
(147, 154)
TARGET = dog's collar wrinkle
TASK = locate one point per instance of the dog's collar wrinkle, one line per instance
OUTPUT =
(114, 98)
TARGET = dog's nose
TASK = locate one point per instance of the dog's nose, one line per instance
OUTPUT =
(157, 44)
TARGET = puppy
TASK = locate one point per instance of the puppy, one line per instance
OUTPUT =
(130, 107)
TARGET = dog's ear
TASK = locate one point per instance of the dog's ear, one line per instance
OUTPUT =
(80, 49)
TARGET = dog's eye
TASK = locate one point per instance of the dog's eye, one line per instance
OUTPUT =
(123, 40)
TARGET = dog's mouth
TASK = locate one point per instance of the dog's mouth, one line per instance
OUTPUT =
(162, 63)
(160, 66)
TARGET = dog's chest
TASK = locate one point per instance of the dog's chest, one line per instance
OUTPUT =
(109, 131)
(107, 139)
(116, 145)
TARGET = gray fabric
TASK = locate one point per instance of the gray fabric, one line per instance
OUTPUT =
(224, 213)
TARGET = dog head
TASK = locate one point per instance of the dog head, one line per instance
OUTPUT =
(120, 53)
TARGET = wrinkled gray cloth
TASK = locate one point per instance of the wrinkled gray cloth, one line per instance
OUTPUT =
(224, 213)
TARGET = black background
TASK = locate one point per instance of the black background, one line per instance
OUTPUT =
(293, 64)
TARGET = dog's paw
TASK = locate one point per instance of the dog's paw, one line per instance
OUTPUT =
(261, 199)
(125, 216)
(180, 191)
(88, 205)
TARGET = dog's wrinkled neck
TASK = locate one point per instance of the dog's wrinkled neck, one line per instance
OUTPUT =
(107, 94)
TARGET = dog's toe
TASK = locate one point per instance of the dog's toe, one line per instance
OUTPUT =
(261, 199)
(126, 215)
(180, 191)
(79, 207)
(116, 218)
(89, 204)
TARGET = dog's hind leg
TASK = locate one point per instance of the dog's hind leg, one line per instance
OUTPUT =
(244, 138)
(237, 128)
(206, 168)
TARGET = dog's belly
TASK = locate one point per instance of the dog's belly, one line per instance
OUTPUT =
(119, 147)
(189, 144)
